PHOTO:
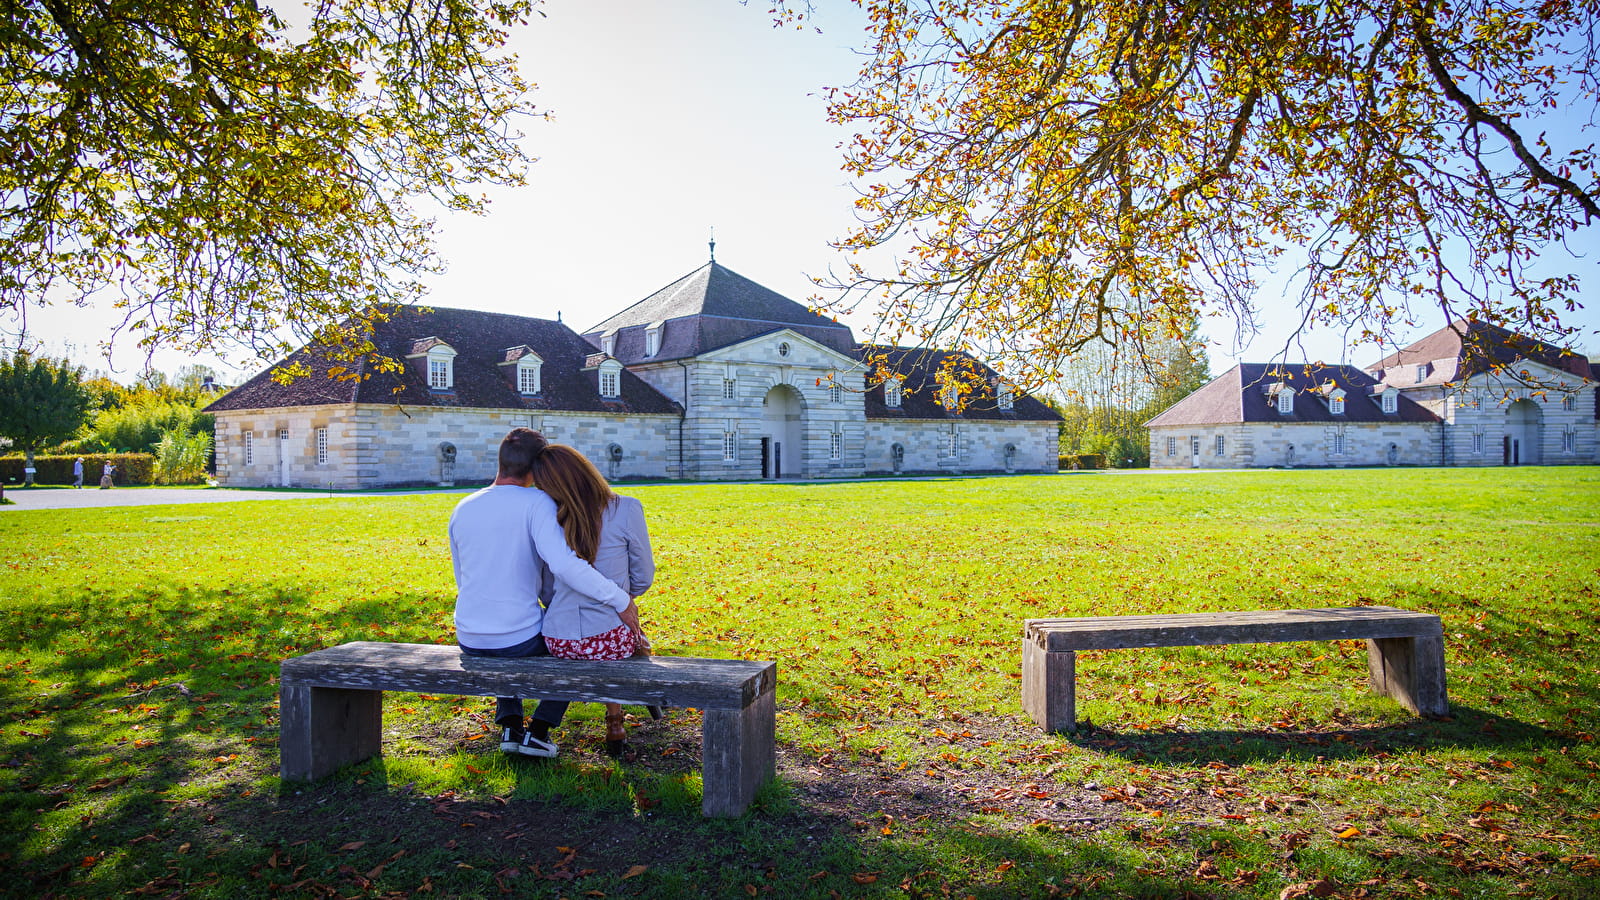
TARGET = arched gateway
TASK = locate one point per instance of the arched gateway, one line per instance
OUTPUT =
(783, 419)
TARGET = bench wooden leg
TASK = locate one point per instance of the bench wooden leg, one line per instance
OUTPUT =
(737, 755)
(321, 729)
(1411, 670)
(1049, 687)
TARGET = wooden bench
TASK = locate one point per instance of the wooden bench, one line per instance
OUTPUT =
(1405, 650)
(331, 703)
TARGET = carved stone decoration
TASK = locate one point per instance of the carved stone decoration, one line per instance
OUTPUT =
(447, 464)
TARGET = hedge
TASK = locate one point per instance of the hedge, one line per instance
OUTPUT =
(132, 468)
(1082, 461)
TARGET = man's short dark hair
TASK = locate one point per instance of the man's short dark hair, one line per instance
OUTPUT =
(518, 450)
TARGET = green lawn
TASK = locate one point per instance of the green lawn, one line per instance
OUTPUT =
(138, 697)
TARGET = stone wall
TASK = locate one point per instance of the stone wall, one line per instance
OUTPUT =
(376, 445)
(1295, 444)
(1479, 421)
(981, 446)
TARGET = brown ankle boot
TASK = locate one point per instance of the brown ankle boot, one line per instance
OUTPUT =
(616, 735)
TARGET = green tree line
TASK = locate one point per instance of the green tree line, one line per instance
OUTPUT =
(53, 406)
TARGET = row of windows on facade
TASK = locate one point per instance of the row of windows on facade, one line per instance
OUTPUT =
(320, 437)
(730, 445)
(1569, 442)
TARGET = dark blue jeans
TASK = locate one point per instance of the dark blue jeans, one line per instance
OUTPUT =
(508, 710)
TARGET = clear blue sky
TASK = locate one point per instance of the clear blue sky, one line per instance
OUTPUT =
(672, 118)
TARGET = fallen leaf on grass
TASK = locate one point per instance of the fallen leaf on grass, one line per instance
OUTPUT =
(353, 845)
(1323, 888)
(635, 872)
(865, 877)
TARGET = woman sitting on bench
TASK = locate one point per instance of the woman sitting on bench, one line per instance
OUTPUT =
(608, 531)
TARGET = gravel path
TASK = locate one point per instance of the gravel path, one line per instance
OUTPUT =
(92, 498)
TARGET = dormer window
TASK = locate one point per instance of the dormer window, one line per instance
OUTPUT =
(523, 368)
(1391, 401)
(1285, 396)
(950, 396)
(1422, 373)
(437, 360)
(1005, 395)
(610, 379)
(608, 343)
(528, 375)
(892, 389)
(1335, 395)
(652, 339)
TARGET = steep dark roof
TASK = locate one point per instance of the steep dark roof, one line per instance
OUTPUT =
(1466, 348)
(1244, 394)
(709, 308)
(481, 341)
(920, 389)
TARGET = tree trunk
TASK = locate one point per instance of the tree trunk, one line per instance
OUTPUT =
(27, 467)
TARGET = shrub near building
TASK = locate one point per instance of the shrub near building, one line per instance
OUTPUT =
(132, 468)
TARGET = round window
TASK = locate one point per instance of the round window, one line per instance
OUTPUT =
(783, 349)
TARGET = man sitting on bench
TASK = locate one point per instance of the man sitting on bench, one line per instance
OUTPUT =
(497, 538)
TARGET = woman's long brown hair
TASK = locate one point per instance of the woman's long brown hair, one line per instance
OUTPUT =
(580, 492)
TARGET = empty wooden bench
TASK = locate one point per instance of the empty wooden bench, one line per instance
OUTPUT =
(1405, 650)
(331, 703)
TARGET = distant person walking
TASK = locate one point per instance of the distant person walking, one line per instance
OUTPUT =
(105, 476)
(77, 473)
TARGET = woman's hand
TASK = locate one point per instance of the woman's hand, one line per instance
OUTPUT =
(630, 618)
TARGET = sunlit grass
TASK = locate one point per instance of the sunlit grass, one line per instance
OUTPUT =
(141, 645)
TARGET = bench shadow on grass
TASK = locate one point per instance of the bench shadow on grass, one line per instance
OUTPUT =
(1466, 728)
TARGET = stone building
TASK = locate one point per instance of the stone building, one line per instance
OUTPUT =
(712, 377)
(1470, 394)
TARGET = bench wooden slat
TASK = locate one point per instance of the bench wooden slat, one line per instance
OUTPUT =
(442, 669)
(1245, 627)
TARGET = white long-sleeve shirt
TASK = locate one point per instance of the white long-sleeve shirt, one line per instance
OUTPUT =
(497, 538)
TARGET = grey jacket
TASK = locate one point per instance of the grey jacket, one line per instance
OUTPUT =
(623, 556)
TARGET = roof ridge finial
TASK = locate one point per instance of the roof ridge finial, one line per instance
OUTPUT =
(713, 243)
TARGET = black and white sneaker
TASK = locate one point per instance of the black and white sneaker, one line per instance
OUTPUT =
(529, 745)
(511, 738)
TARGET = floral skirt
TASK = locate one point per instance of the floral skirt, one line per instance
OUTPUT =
(618, 643)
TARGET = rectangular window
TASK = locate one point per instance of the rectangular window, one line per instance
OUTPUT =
(438, 374)
(1336, 406)
(1285, 400)
(1422, 372)
(1390, 402)
(1338, 443)
(652, 341)
(1569, 440)
(322, 446)
(835, 445)
(528, 380)
(249, 448)
(610, 384)
(1220, 451)
(952, 446)
(835, 393)
(1477, 439)
(728, 388)
(1569, 403)
(891, 393)
(730, 446)
(1172, 446)
(1006, 398)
